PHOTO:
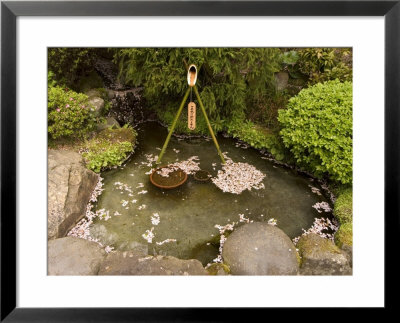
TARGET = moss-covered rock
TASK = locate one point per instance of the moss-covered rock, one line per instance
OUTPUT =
(344, 235)
(218, 269)
(108, 123)
(321, 257)
(343, 209)
(118, 135)
(110, 148)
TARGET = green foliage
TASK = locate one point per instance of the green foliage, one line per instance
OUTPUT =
(91, 80)
(344, 235)
(68, 64)
(324, 64)
(110, 148)
(343, 209)
(258, 137)
(69, 114)
(102, 154)
(229, 79)
(317, 128)
(51, 81)
(290, 57)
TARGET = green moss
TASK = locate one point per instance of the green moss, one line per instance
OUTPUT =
(344, 235)
(343, 209)
(110, 148)
(259, 137)
(118, 135)
(298, 259)
(307, 245)
(215, 268)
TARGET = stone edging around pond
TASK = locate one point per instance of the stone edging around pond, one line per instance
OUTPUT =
(321, 257)
(251, 250)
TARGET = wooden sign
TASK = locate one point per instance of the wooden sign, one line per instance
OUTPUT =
(192, 115)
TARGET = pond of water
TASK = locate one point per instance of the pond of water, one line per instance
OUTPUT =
(182, 222)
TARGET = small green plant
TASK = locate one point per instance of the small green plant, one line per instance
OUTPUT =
(69, 114)
(103, 154)
(317, 128)
(110, 148)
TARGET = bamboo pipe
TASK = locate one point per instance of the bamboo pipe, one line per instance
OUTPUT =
(173, 126)
(208, 124)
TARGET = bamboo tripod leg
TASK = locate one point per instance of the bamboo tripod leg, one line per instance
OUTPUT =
(173, 126)
(209, 125)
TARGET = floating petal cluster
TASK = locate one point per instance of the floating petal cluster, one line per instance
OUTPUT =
(238, 177)
(189, 166)
(149, 235)
(315, 190)
(242, 218)
(322, 206)
(273, 221)
(81, 229)
(123, 187)
(155, 219)
(320, 227)
(222, 239)
(150, 160)
(165, 241)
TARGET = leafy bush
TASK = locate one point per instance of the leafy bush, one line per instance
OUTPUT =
(343, 209)
(69, 114)
(317, 128)
(258, 137)
(68, 64)
(110, 148)
(324, 64)
(229, 80)
(317, 65)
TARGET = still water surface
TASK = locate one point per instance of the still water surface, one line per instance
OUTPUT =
(186, 216)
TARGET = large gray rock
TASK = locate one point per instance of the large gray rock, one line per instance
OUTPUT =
(74, 256)
(322, 257)
(260, 249)
(70, 185)
(134, 263)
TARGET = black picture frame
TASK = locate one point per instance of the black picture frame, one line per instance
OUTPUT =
(10, 10)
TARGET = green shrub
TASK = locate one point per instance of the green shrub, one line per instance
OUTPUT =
(343, 209)
(258, 137)
(51, 81)
(324, 64)
(344, 235)
(69, 114)
(68, 64)
(110, 148)
(317, 128)
(229, 80)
